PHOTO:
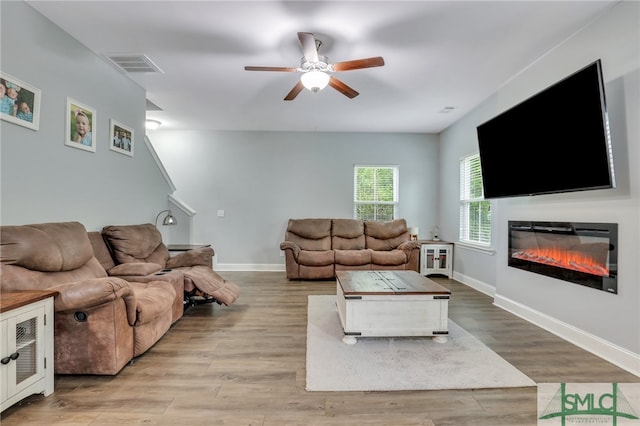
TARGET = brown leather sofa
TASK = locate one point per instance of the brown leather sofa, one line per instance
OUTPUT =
(136, 245)
(317, 248)
(101, 322)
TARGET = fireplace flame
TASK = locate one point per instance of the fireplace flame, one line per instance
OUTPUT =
(563, 258)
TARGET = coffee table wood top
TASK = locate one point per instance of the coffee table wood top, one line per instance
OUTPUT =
(387, 283)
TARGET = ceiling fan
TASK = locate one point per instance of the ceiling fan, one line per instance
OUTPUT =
(315, 69)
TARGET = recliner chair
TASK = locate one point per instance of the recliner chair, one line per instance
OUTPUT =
(142, 243)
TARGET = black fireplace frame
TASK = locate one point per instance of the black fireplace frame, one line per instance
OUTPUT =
(609, 231)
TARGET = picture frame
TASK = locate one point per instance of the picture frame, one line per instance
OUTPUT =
(19, 102)
(84, 118)
(121, 138)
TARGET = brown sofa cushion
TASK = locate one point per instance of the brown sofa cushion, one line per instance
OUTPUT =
(384, 236)
(153, 299)
(310, 234)
(352, 257)
(316, 258)
(135, 269)
(136, 243)
(48, 247)
(388, 258)
(100, 250)
(347, 234)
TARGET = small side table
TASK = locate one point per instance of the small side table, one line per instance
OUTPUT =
(26, 344)
(436, 257)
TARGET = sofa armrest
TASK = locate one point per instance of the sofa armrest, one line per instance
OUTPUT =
(409, 246)
(94, 292)
(288, 245)
(196, 257)
(134, 269)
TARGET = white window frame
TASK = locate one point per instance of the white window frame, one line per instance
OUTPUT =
(396, 201)
(472, 203)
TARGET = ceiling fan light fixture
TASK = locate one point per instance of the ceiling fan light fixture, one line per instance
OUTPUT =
(314, 80)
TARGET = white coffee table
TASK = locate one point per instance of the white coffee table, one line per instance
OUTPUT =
(391, 304)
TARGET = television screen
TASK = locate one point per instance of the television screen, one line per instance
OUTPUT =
(555, 141)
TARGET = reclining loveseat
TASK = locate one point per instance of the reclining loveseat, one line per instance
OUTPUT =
(317, 248)
(101, 322)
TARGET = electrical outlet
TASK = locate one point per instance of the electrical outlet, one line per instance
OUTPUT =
(220, 213)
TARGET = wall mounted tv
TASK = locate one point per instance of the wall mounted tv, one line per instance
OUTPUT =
(555, 141)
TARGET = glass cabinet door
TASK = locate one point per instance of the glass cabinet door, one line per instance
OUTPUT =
(430, 255)
(27, 348)
(22, 356)
(442, 258)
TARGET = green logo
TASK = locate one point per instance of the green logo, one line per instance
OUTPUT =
(590, 404)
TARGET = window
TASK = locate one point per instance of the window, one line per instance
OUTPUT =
(475, 211)
(375, 192)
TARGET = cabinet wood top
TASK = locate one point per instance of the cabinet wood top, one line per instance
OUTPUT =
(387, 283)
(10, 300)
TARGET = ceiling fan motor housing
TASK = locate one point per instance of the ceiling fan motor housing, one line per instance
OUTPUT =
(321, 65)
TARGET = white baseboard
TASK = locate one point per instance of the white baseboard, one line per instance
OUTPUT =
(263, 267)
(606, 350)
(480, 286)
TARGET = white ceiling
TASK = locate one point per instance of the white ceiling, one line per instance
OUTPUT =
(438, 54)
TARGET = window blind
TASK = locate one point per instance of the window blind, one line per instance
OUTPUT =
(375, 192)
(475, 212)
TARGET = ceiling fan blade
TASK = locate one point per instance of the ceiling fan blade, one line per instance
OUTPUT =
(294, 92)
(309, 48)
(285, 69)
(358, 63)
(342, 88)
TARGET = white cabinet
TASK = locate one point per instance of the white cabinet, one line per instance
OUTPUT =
(436, 258)
(26, 345)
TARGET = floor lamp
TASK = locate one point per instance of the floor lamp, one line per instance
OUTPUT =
(168, 219)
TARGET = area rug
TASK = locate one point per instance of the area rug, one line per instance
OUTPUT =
(400, 363)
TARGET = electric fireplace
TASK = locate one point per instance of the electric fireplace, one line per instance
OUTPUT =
(581, 253)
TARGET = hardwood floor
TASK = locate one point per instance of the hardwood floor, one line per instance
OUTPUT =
(245, 365)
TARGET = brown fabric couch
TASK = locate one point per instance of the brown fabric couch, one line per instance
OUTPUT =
(316, 248)
(136, 245)
(101, 322)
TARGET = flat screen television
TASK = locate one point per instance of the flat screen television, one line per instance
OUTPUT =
(555, 141)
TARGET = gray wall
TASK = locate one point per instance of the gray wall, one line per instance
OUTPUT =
(261, 179)
(592, 314)
(42, 180)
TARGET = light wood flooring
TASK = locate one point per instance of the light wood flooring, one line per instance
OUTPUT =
(245, 365)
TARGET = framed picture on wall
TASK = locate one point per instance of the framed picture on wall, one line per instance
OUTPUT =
(19, 102)
(121, 138)
(81, 126)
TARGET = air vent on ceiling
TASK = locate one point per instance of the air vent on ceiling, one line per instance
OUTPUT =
(152, 107)
(133, 62)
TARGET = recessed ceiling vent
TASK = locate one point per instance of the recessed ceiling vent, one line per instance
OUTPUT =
(133, 62)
